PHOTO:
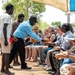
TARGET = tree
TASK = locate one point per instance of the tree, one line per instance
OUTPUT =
(26, 7)
(42, 25)
(56, 23)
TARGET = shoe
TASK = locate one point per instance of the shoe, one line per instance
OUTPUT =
(9, 73)
(48, 68)
(16, 64)
(45, 67)
(52, 72)
(26, 67)
(10, 66)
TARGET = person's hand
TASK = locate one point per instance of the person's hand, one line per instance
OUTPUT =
(62, 55)
(43, 40)
(6, 43)
(70, 68)
(15, 39)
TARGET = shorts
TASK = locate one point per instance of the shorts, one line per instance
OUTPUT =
(5, 49)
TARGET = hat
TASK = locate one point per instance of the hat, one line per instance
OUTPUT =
(34, 18)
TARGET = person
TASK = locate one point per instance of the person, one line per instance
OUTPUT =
(68, 69)
(5, 35)
(63, 45)
(22, 31)
(14, 27)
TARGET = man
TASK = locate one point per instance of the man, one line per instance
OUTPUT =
(68, 69)
(23, 30)
(63, 45)
(14, 27)
(5, 35)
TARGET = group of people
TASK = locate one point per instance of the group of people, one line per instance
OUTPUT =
(12, 38)
(54, 52)
(55, 47)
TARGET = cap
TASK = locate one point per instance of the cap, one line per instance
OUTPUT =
(34, 18)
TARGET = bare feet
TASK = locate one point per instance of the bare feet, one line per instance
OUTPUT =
(32, 60)
(28, 59)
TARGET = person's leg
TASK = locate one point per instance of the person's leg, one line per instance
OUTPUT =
(6, 60)
(5, 57)
(30, 54)
(27, 52)
(13, 52)
(40, 55)
(16, 62)
(3, 64)
(47, 61)
(34, 52)
(21, 50)
(55, 63)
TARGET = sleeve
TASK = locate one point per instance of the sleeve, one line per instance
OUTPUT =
(57, 43)
(66, 46)
(32, 34)
(7, 20)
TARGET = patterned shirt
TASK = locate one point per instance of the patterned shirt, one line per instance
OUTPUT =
(63, 43)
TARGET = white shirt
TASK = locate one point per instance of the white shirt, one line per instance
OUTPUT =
(5, 18)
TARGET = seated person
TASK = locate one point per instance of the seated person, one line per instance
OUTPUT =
(47, 61)
(63, 45)
(68, 69)
(32, 53)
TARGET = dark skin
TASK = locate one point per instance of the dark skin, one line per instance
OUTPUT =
(5, 34)
(14, 27)
(10, 12)
(32, 22)
(5, 56)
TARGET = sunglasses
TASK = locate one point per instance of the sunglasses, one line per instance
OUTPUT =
(34, 29)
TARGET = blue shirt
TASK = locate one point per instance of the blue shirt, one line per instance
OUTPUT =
(24, 29)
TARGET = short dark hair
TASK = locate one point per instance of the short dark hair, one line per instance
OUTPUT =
(33, 17)
(66, 26)
(20, 16)
(9, 6)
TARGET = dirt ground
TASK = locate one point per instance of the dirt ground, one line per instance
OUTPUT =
(36, 70)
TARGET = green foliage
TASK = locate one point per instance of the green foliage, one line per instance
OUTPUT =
(42, 25)
(26, 7)
(56, 23)
(73, 24)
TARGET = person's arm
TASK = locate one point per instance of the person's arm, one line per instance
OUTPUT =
(6, 22)
(14, 27)
(32, 34)
(5, 34)
(71, 56)
(52, 38)
(65, 54)
(57, 43)
(50, 43)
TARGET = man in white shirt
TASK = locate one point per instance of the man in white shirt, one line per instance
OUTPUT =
(5, 30)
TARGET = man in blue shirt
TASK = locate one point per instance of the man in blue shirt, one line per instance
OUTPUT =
(23, 30)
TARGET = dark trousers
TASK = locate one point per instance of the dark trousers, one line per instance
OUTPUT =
(19, 47)
(51, 62)
(55, 63)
